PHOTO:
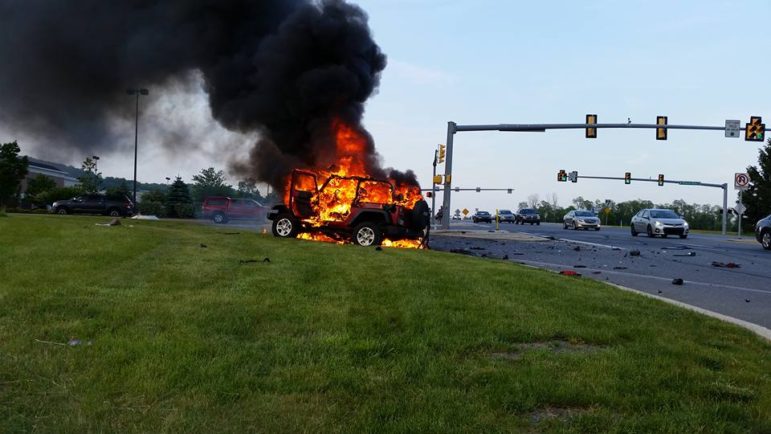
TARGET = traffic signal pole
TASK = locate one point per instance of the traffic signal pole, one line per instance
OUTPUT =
(453, 128)
(696, 183)
(433, 189)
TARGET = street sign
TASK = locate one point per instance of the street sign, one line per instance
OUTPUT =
(465, 211)
(740, 208)
(689, 183)
(732, 128)
(741, 181)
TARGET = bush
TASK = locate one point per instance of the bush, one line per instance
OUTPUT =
(152, 208)
(183, 210)
(59, 193)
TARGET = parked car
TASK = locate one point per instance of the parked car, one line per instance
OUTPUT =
(581, 219)
(506, 216)
(763, 232)
(528, 215)
(662, 222)
(482, 216)
(222, 209)
(95, 203)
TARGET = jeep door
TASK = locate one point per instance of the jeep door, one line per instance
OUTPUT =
(303, 194)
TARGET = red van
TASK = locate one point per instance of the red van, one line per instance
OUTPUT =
(222, 209)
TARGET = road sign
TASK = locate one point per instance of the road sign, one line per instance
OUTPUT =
(573, 176)
(689, 183)
(741, 181)
(732, 128)
(740, 208)
(465, 211)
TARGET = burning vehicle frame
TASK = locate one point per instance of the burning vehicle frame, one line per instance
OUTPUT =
(363, 209)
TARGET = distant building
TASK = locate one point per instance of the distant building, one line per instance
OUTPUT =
(45, 168)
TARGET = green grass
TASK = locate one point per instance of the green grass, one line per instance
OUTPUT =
(327, 338)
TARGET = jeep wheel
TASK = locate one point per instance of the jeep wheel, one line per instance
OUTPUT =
(62, 211)
(367, 234)
(219, 218)
(285, 226)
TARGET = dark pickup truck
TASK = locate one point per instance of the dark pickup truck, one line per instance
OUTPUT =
(94, 204)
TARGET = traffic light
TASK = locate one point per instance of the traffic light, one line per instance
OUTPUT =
(661, 133)
(755, 131)
(661, 180)
(562, 176)
(591, 133)
(441, 153)
(437, 179)
(573, 176)
(627, 178)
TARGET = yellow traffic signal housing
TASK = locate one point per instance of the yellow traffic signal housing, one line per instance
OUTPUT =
(591, 133)
(661, 180)
(627, 178)
(441, 153)
(437, 179)
(661, 133)
(755, 130)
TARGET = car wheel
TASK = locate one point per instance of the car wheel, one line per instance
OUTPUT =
(634, 232)
(285, 226)
(765, 240)
(564, 225)
(114, 212)
(682, 237)
(62, 211)
(650, 231)
(219, 218)
(538, 223)
(597, 228)
(367, 234)
(664, 235)
(575, 225)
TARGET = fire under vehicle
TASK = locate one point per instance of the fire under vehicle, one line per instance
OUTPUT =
(364, 210)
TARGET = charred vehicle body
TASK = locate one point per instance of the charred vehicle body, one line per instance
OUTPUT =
(365, 210)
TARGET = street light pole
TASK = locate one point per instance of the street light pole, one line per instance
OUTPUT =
(137, 92)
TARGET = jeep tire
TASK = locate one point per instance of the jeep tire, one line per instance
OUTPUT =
(367, 234)
(285, 226)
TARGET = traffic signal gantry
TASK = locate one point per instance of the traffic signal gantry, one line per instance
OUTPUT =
(754, 131)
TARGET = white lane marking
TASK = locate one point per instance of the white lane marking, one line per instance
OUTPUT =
(648, 276)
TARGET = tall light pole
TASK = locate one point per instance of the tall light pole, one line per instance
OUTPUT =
(137, 92)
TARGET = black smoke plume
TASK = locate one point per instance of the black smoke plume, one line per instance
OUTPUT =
(282, 68)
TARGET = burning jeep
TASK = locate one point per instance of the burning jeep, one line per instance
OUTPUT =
(362, 209)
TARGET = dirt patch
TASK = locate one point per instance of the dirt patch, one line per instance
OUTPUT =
(556, 347)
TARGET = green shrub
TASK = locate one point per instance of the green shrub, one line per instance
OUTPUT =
(152, 208)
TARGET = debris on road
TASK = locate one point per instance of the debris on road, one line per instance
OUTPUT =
(570, 273)
(634, 253)
(687, 254)
(677, 281)
(619, 268)
(579, 266)
(577, 248)
(725, 264)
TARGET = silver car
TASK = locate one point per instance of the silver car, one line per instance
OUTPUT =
(581, 219)
(506, 216)
(659, 222)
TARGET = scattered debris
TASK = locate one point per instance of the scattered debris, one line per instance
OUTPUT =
(746, 300)
(145, 217)
(517, 254)
(113, 222)
(477, 248)
(577, 248)
(725, 264)
(203, 246)
(660, 291)
(462, 252)
(596, 272)
(616, 248)
(49, 342)
(634, 253)
(266, 260)
(677, 281)
(505, 257)
(570, 273)
(579, 266)
(687, 254)
(247, 261)
(619, 268)
(231, 233)
(75, 342)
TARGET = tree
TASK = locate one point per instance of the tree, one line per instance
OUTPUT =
(248, 188)
(210, 182)
(91, 179)
(12, 170)
(120, 192)
(758, 198)
(533, 200)
(37, 186)
(153, 203)
(178, 202)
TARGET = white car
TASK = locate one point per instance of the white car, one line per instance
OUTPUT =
(661, 222)
(581, 219)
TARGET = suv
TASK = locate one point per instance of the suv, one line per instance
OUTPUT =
(364, 210)
(527, 215)
(482, 216)
(506, 216)
(94, 203)
(763, 232)
(222, 209)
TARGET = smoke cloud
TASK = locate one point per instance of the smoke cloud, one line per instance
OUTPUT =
(280, 68)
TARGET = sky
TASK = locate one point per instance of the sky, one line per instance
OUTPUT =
(489, 62)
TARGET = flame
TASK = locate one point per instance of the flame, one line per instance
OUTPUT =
(331, 193)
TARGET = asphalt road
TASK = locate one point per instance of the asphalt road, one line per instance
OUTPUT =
(609, 255)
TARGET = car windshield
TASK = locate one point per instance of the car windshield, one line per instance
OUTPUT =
(584, 214)
(527, 211)
(504, 211)
(664, 214)
(483, 213)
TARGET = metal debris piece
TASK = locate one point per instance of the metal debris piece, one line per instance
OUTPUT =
(725, 264)
(677, 281)
(570, 273)
(634, 253)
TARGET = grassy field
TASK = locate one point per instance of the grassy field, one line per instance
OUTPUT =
(176, 329)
